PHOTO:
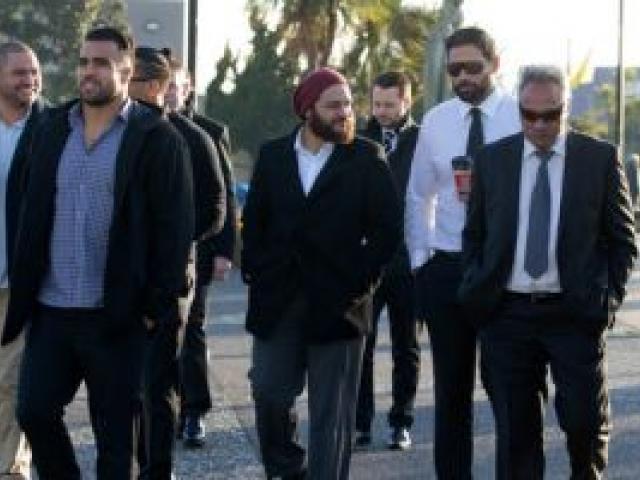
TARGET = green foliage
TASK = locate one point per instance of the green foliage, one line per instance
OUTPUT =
(54, 29)
(361, 37)
(259, 107)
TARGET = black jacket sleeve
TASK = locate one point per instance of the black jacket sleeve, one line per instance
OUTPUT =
(619, 228)
(172, 220)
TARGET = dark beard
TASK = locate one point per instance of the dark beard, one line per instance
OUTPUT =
(326, 132)
(476, 95)
(99, 101)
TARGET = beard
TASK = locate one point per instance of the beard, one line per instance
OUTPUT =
(471, 92)
(99, 96)
(327, 131)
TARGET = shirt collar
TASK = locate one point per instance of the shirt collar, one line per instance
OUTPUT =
(76, 118)
(488, 107)
(20, 124)
(326, 148)
(558, 146)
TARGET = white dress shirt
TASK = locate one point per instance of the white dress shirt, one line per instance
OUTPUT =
(309, 163)
(520, 281)
(434, 215)
(9, 138)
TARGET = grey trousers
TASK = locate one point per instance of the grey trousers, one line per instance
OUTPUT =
(332, 370)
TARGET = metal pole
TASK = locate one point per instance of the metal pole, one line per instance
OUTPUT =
(193, 37)
(620, 90)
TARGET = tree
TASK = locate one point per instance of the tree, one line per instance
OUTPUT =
(54, 29)
(259, 106)
(364, 37)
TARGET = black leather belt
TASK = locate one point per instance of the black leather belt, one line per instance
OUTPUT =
(534, 297)
(70, 312)
(456, 256)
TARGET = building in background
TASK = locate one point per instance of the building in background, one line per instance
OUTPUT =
(161, 23)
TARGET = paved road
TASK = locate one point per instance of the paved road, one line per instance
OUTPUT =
(231, 451)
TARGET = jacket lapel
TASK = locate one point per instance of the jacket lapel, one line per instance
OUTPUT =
(568, 183)
(291, 171)
(513, 172)
(132, 141)
(335, 163)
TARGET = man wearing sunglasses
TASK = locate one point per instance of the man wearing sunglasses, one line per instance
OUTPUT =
(548, 248)
(435, 213)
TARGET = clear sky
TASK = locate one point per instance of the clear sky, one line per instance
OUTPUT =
(526, 31)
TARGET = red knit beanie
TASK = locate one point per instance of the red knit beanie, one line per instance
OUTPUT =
(311, 87)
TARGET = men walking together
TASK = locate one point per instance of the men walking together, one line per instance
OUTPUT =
(321, 220)
(106, 227)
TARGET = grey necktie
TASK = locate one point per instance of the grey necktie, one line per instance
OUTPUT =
(536, 258)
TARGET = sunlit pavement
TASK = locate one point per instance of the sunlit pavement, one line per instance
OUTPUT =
(231, 451)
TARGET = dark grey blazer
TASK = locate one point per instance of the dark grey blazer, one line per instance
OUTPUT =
(596, 243)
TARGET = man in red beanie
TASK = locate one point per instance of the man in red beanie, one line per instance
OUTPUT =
(321, 220)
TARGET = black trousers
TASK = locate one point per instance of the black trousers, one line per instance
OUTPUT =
(396, 292)
(160, 402)
(516, 348)
(194, 375)
(64, 348)
(453, 348)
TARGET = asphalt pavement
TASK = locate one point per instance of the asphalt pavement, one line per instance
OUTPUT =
(231, 451)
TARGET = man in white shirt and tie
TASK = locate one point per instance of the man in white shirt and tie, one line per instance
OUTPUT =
(435, 215)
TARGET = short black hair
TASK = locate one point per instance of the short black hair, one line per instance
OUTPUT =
(123, 41)
(151, 64)
(472, 36)
(392, 79)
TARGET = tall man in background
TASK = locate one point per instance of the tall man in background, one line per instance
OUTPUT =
(435, 214)
(149, 84)
(392, 126)
(214, 261)
(20, 111)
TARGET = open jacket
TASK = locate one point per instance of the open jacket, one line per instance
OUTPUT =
(596, 241)
(331, 244)
(151, 228)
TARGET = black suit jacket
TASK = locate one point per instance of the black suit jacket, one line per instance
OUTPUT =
(331, 244)
(400, 164)
(151, 228)
(16, 180)
(222, 244)
(400, 159)
(208, 182)
(596, 245)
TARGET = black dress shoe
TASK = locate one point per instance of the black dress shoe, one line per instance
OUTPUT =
(363, 439)
(400, 439)
(294, 476)
(194, 431)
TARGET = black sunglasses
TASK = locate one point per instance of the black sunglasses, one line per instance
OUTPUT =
(472, 68)
(532, 116)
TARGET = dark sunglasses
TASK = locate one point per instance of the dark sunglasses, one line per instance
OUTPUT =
(472, 68)
(546, 116)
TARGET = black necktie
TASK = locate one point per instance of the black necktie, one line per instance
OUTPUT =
(388, 139)
(536, 257)
(476, 137)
